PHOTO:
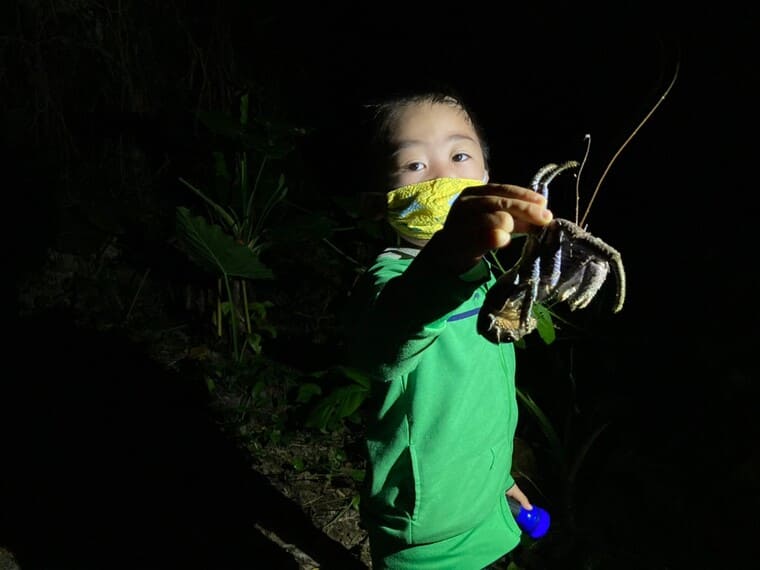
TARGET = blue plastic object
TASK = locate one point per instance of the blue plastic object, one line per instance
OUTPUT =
(535, 522)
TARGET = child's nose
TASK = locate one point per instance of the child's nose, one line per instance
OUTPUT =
(442, 170)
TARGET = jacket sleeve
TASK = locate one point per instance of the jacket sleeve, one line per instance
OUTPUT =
(400, 309)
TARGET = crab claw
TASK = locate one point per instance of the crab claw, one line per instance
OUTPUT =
(511, 320)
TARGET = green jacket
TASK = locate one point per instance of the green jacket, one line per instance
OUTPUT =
(443, 413)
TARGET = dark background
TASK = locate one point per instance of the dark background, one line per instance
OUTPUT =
(677, 365)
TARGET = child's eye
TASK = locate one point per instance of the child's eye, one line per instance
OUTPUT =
(415, 166)
(460, 157)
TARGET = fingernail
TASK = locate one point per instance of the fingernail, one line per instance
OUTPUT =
(547, 215)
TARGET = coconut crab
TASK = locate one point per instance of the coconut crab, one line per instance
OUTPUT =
(560, 262)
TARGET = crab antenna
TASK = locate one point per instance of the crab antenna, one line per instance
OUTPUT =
(625, 143)
(587, 138)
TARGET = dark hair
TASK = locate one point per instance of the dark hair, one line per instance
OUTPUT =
(384, 112)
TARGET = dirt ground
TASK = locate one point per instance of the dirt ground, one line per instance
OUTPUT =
(329, 501)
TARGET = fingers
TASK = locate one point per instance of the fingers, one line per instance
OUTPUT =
(532, 215)
(483, 218)
(516, 493)
(524, 205)
(527, 211)
(501, 226)
(506, 191)
(482, 232)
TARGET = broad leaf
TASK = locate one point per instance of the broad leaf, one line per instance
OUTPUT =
(341, 403)
(357, 376)
(208, 246)
(544, 323)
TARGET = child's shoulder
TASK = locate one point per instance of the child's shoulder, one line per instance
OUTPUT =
(397, 253)
(390, 262)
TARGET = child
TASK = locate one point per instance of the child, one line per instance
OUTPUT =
(442, 408)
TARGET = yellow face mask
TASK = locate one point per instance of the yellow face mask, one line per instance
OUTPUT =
(418, 210)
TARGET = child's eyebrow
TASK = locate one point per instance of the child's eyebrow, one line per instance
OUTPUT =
(458, 137)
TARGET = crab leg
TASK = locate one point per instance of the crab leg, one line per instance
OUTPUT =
(540, 183)
(579, 266)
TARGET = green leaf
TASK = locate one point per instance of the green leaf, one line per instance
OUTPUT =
(221, 212)
(307, 391)
(267, 196)
(343, 402)
(321, 416)
(349, 398)
(208, 246)
(545, 425)
(356, 475)
(544, 323)
(254, 341)
(258, 389)
(353, 374)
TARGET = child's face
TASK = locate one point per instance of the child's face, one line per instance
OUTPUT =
(434, 140)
